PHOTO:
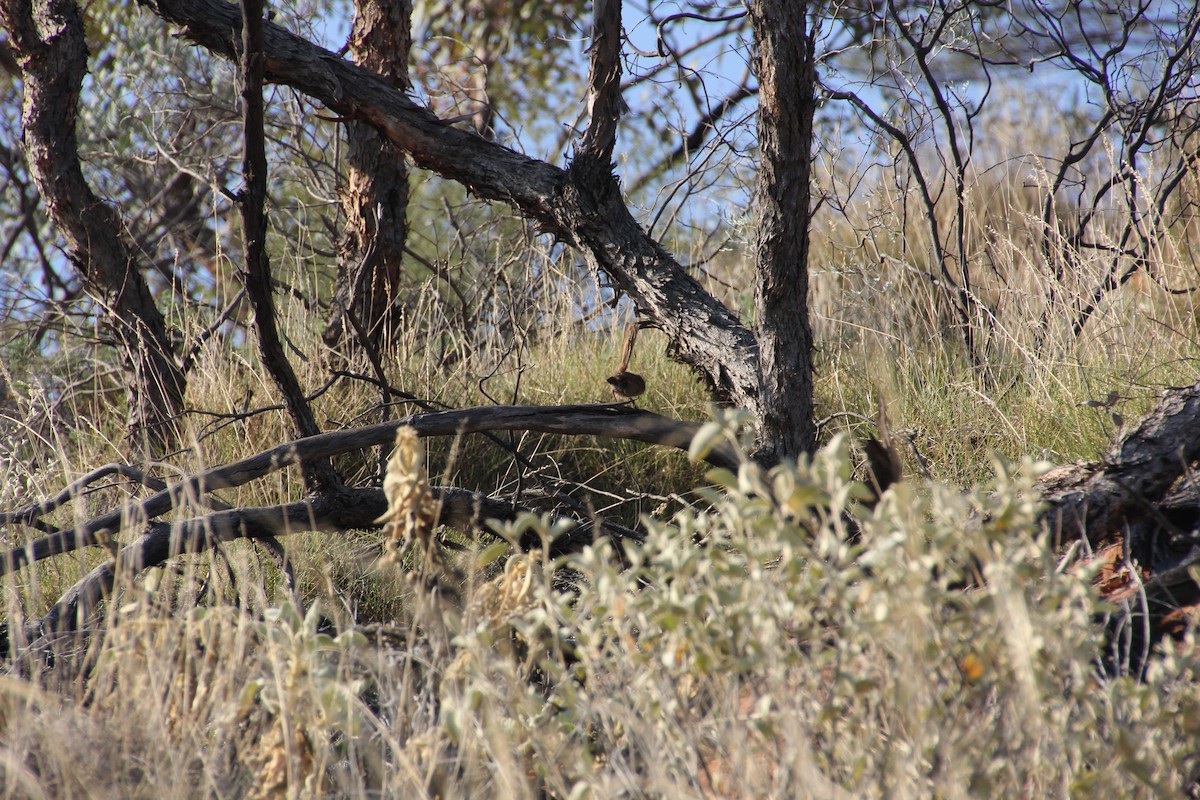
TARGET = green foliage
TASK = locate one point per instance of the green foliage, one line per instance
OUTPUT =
(779, 638)
(519, 57)
(773, 636)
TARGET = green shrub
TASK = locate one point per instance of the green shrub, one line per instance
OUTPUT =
(783, 637)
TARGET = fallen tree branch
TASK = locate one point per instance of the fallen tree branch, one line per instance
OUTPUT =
(1095, 501)
(34, 511)
(1138, 512)
(611, 421)
(336, 511)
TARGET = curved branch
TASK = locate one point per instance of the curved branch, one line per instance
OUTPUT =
(583, 207)
(616, 422)
(34, 511)
(704, 127)
(256, 273)
(339, 510)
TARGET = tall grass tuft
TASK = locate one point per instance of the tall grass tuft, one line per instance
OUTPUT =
(781, 637)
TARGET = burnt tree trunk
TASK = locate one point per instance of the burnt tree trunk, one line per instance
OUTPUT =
(375, 198)
(786, 69)
(47, 38)
(1138, 511)
(1135, 490)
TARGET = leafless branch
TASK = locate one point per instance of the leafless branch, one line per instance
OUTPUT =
(257, 272)
(617, 422)
(575, 206)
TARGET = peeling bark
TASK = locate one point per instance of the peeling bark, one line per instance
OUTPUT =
(375, 198)
(47, 39)
(582, 207)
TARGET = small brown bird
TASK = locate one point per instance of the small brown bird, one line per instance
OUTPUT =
(627, 385)
(883, 460)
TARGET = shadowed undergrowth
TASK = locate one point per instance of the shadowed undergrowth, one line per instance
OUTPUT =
(779, 637)
(773, 636)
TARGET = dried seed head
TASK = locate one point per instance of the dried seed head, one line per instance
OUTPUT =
(412, 509)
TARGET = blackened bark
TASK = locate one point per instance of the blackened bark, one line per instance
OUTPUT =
(257, 272)
(376, 195)
(786, 69)
(1102, 502)
(47, 38)
(582, 208)
(1138, 510)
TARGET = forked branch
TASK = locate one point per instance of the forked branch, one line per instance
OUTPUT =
(581, 206)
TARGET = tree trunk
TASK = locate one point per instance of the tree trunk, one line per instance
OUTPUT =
(583, 208)
(48, 40)
(376, 195)
(1138, 511)
(786, 70)
(1137, 482)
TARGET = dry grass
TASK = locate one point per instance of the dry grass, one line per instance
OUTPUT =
(754, 649)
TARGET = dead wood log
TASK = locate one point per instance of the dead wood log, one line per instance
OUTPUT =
(617, 422)
(336, 511)
(1098, 502)
(1138, 512)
